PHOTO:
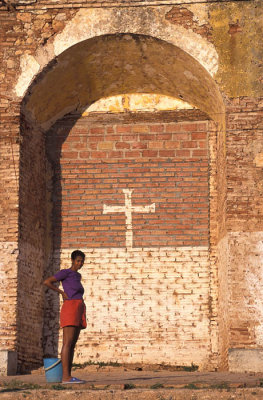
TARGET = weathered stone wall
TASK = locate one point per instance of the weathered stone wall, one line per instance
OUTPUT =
(244, 165)
(224, 41)
(9, 175)
(242, 245)
(9, 199)
(224, 294)
(35, 4)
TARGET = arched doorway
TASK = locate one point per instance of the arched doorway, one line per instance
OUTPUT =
(96, 68)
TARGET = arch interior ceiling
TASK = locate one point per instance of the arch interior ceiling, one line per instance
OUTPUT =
(110, 65)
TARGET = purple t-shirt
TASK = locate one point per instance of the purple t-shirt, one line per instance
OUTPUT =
(71, 283)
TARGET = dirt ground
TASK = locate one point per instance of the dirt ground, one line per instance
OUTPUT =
(134, 382)
(137, 394)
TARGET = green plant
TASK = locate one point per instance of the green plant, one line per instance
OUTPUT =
(99, 363)
(16, 385)
(59, 387)
(191, 386)
(157, 386)
(190, 368)
(128, 386)
(223, 385)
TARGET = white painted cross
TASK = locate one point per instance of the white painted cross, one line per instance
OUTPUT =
(128, 209)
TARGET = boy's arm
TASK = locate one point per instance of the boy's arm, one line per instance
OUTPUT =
(49, 282)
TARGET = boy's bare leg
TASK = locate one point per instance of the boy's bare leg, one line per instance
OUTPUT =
(69, 341)
(76, 336)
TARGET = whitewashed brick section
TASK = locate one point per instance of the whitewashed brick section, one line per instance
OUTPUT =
(246, 280)
(145, 305)
(8, 295)
(223, 300)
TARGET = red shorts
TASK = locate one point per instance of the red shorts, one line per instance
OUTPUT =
(73, 313)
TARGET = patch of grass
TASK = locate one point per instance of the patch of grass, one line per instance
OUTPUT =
(223, 385)
(191, 386)
(189, 368)
(128, 386)
(93, 387)
(157, 386)
(59, 387)
(100, 364)
(15, 386)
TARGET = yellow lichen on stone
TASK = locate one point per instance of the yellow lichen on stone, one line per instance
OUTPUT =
(137, 102)
(237, 30)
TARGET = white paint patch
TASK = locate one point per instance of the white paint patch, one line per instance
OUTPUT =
(8, 271)
(200, 12)
(89, 23)
(254, 278)
(30, 68)
(128, 209)
(2, 284)
(145, 305)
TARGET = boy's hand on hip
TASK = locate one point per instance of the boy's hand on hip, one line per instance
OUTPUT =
(65, 296)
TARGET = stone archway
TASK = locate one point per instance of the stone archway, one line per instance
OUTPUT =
(96, 68)
(90, 70)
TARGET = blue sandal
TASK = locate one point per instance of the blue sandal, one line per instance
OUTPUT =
(73, 380)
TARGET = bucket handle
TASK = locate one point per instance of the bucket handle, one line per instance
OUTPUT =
(53, 365)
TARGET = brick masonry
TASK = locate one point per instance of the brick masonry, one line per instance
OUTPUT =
(223, 37)
(241, 248)
(165, 164)
(32, 248)
(9, 175)
(145, 305)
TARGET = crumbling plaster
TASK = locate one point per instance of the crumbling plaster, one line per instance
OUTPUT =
(115, 64)
(228, 53)
(89, 23)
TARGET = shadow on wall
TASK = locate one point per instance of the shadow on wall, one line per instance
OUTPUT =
(54, 140)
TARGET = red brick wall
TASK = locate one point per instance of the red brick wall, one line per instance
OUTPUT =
(164, 163)
(244, 177)
(245, 220)
(183, 16)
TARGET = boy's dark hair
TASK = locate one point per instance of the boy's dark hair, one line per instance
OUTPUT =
(77, 253)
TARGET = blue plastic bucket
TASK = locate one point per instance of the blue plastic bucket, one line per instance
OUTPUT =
(53, 369)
